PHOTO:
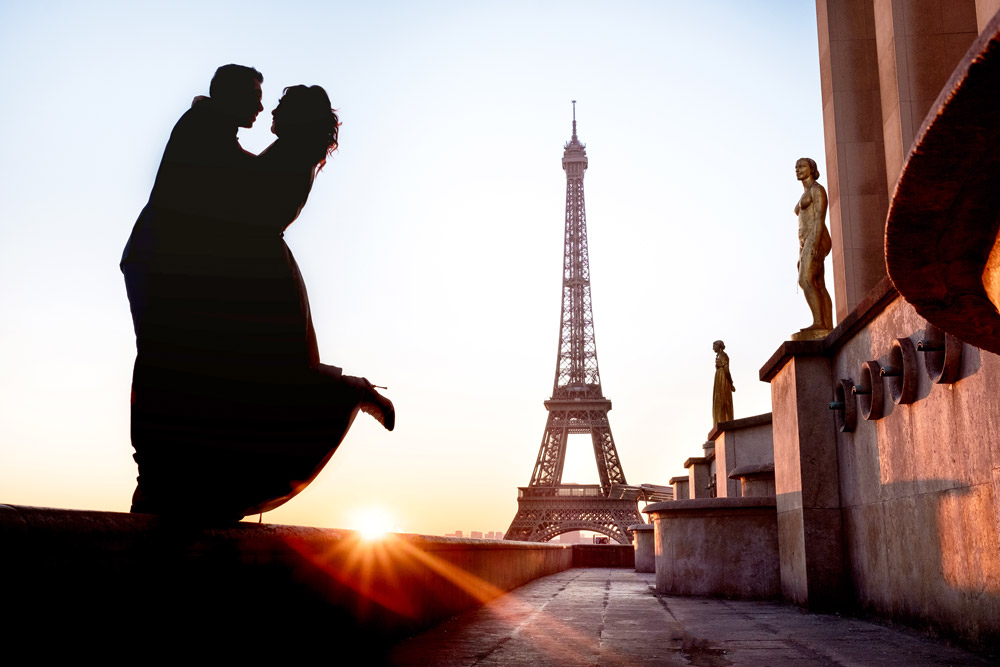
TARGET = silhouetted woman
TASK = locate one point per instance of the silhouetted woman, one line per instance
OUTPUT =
(265, 415)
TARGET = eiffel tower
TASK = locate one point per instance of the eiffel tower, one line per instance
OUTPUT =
(547, 507)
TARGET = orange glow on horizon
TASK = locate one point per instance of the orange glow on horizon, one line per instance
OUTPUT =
(373, 523)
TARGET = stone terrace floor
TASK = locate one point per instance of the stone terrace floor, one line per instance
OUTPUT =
(614, 617)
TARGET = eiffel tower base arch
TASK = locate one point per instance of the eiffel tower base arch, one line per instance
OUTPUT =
(543, 513)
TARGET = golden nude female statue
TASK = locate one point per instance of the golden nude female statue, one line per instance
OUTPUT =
(722, 393)
(814, 246)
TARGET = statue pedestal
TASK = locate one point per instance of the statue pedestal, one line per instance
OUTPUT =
(807, 489)
(810, 333)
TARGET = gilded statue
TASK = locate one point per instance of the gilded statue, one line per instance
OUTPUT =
(722, 393)
(814, 246)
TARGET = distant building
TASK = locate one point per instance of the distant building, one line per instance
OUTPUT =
(476, 535)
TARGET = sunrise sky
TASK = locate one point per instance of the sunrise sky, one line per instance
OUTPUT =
(432, 241)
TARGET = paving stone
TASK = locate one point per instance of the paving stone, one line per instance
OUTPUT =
(611, 617)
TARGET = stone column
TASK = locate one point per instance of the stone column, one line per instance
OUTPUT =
(882, 65)
(806, 474)
(919, 43)
(985, 10)
(855, 156)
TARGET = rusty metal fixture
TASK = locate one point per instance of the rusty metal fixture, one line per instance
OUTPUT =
(869, 391)
(547, 507)
(900, 373)
(942, 355)
(845, 410)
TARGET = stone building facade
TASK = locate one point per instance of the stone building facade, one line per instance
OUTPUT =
(886, 434)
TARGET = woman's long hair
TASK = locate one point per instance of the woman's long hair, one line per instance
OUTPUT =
(305, 117)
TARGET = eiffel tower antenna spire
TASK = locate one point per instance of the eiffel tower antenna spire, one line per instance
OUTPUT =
(547, 507)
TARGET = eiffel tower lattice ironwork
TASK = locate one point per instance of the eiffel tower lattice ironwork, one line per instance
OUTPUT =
(547, 507)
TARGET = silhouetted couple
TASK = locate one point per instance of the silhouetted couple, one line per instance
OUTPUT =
(232, 412)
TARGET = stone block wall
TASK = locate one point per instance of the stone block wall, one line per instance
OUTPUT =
(898, 513)
(920, 489)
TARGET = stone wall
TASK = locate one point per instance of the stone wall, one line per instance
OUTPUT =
(603, 555)
(920, 489)
(915, 486)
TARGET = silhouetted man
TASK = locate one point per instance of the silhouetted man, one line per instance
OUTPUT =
(179, 265)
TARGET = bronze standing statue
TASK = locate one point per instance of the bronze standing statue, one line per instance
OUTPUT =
(814, 246)
(722, 394)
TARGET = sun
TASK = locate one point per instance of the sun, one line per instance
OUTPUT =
(372, 523)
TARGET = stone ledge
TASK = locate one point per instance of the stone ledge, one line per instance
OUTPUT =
(696, 460)
(752, 470)
(703, 504)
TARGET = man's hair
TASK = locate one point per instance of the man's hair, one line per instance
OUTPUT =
(230, 80)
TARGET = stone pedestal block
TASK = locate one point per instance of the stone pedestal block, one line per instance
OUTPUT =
(724, 547)
(681, 490)
(645, 548)
(699, 477)
(739, 443)
(806, 475)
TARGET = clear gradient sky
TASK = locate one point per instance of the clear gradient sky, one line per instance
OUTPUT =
(432, 242)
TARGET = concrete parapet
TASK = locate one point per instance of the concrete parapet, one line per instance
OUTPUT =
(724, 547)
(92, 571)
(644, 541)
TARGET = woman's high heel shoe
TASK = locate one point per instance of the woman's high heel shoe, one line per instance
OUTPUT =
(373, 403)
(380, 407)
